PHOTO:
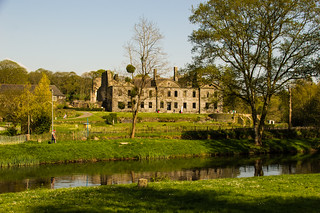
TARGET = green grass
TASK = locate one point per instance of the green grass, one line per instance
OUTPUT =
(286, 193)
(32, 153)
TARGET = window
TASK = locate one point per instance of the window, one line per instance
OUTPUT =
(150, 105)
(121, 105)
(194, 94)
(150, 94)
(169, 93)
(194, 105)
(129, 92)
(142, 105)
(185, 93)
(208, 94)
(176, 105)
(207, 105)
(185, 105)
(161, 104)
(215, 105)
(119, 92)
(129, 105)
(175, 93)
(169, 106)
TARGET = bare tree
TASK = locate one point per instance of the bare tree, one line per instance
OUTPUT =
(145, 54)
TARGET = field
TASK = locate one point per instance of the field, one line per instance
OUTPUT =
(286, 193)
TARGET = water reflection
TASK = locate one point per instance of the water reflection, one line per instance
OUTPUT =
(124, 172)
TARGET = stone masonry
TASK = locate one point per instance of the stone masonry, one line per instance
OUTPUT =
(165, 95)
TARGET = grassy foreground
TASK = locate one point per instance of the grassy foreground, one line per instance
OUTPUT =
(286, 193)
(33, 153)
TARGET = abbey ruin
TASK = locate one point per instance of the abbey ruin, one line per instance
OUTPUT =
(163, 95)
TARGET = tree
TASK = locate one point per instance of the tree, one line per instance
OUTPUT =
(35, 76)
(41, 106)
(306, 103)
(22, 102)
(145, 53)
(12, 73)
(265, 43)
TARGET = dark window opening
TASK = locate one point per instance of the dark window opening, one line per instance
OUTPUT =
(169, 106)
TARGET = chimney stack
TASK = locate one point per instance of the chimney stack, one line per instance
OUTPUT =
(175, 73)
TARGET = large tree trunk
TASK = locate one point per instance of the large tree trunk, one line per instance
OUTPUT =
(258, 134)
(256, 126)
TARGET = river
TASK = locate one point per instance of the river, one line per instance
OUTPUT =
(56, 176)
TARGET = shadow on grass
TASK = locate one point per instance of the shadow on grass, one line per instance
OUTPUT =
(133, 199)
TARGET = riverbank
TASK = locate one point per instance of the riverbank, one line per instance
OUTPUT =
(33, 153)
(286, 193)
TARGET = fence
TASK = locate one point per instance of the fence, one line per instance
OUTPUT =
(13, 139)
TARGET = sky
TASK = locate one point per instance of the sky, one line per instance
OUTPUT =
(88, 35)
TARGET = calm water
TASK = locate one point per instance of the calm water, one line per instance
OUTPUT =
(125, 172)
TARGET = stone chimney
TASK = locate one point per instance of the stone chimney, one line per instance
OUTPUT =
(175, 73)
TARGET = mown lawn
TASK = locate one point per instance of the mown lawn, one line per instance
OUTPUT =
(286, 193)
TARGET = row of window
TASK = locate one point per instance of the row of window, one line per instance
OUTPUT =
(175, 93)
(121, 105)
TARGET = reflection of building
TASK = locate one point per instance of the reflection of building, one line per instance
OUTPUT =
(162, 94)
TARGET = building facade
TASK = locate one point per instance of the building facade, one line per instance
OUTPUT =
(164, 95)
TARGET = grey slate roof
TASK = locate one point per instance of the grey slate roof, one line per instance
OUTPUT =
(20, 87)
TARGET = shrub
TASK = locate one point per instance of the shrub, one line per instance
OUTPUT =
(41, 125)
(121, 105)
(111, 118)
(11, 131)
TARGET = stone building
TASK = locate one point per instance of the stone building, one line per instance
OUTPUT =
(165, 95)
(57, 94)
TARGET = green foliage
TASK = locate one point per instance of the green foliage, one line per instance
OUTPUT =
(91, 150)
(130, 68)
(11, 131)
(41, 124)
(306, 103)
(127, 79)
(111, 118)
(121, 105)
(17, 105)
(261, 42)
(12, 73)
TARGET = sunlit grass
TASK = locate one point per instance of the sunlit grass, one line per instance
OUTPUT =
(286, 193)
(31, 153)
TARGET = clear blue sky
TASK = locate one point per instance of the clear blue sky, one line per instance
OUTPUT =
(86, 35)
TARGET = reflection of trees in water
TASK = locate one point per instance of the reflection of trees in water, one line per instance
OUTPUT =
(190, 175)
(22, 185)
(53, 180)
(258, 171)
(20, 179)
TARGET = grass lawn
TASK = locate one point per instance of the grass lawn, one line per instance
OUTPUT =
(286, 193)
(32, 153)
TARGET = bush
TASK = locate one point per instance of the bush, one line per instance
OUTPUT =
(11, 131)
(121, 105)
(111, 118)
(41, 125)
